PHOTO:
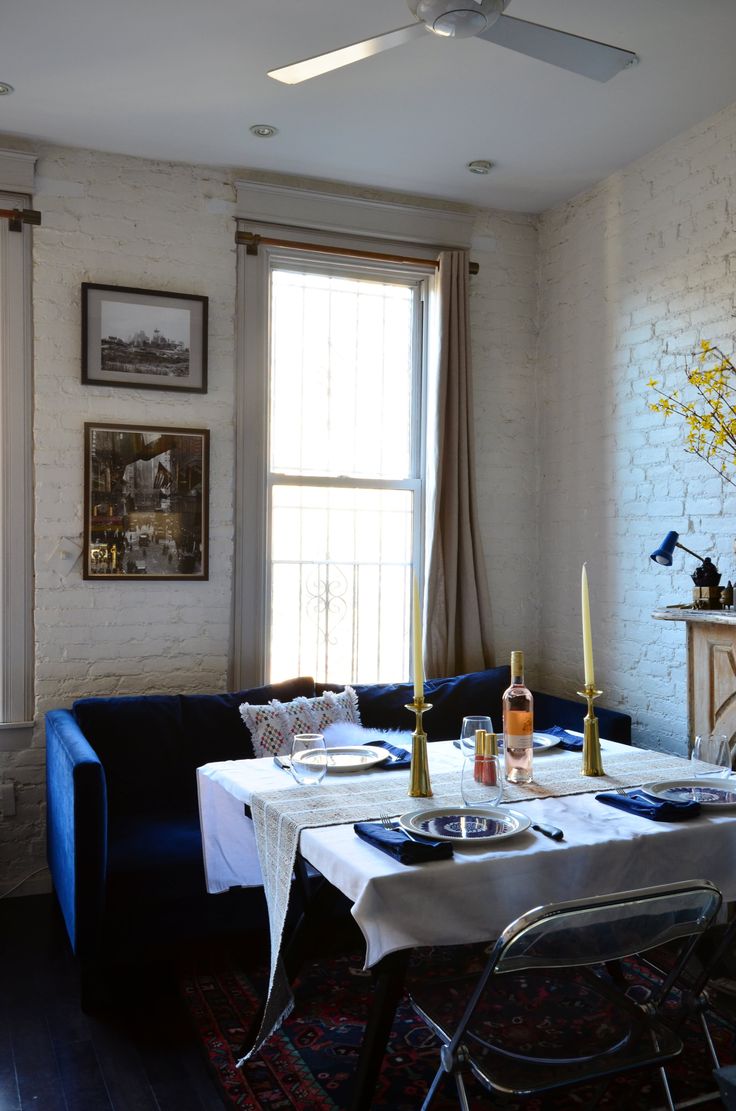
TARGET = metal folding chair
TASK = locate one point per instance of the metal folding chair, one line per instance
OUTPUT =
(550, 970)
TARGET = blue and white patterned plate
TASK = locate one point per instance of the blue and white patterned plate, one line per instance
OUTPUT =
(716, 794)
(474, 825)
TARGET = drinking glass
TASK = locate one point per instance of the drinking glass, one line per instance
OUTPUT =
(713, 748)
(468, 731)
(308, 758)
(481, 783)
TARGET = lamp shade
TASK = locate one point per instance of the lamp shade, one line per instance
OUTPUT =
(664, 552)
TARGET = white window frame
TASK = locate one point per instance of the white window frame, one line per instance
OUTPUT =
(16, 460)
(418, 278)
(252, 590)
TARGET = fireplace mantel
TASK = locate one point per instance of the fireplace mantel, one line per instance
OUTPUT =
(711, 660)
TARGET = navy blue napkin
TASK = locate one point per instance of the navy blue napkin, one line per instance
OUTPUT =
(397, 757)
(567, 740)
(659, 810)
(396, 843)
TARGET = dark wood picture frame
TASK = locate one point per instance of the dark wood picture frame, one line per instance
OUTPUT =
(146, 502)
(144, 338)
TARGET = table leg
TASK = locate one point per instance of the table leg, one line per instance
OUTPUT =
(389, 977)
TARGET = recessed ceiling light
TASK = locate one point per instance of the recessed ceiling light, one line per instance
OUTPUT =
(5, 89)
(264, 130)
(480, 166)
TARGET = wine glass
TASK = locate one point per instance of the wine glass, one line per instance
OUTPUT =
(469, 728)
(713, 748)
(308, 758)
(481, 783)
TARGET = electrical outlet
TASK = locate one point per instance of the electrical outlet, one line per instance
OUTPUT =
(7, 799)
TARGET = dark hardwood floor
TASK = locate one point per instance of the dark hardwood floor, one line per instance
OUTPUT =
(138, 1055)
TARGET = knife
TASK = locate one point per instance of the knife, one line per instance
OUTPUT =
(549, 831)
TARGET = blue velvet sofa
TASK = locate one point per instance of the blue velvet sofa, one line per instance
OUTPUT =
(124, 847)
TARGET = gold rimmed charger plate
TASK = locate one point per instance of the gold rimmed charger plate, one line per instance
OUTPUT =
(715, 793)
(468, 825)
(343, 759)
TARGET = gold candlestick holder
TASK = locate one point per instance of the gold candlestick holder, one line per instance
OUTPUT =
(592, 760)
(420, 786)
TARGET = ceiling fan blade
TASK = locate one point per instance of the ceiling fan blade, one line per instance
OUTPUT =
(323, 63)
(583, 56)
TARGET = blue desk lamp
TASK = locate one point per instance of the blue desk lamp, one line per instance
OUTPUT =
(707, 594)
(666, 549)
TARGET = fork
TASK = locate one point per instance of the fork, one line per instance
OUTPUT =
(390, 823)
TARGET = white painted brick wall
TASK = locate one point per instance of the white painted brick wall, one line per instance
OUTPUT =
(635, 272)
(503, 310)
(139, 223)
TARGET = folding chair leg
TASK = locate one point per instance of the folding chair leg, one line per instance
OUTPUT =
(433, 1088)
(709, 1041)
(666, 1086)
(462, 1095)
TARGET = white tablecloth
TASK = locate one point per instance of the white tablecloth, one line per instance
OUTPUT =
(474, 895)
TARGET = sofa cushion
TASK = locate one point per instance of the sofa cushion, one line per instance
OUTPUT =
(151, 745)
(382, 706)
(213, 723)
(273, 726)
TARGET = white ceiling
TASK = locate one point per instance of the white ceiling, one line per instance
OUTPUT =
(184, 80)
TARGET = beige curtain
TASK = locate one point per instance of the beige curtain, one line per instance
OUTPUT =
(458, 621)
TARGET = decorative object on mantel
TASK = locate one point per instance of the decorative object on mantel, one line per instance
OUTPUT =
(592, 760)
(707, 593)
(420, 786)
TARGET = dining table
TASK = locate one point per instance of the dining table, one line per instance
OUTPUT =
(256, 820)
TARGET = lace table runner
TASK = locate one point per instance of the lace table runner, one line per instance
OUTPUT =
(280, 816)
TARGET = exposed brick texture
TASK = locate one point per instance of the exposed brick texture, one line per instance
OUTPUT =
(632, 276)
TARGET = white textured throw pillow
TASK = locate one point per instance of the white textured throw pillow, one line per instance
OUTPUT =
(273, 726)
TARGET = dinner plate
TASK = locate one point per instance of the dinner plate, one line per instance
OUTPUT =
(473, 825)
(713, 793)
(346, 758)
(542, 741)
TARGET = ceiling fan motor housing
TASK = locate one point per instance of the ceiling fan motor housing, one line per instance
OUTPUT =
(459, 19)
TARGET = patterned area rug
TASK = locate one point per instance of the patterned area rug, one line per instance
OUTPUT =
(308, 1064)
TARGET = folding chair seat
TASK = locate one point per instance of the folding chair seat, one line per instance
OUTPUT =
(547, 1014)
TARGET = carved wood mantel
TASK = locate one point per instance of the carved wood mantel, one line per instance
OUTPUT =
(711, 662)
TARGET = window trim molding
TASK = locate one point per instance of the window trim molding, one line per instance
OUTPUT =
(406, 221)
(17, 170)
(16, 483)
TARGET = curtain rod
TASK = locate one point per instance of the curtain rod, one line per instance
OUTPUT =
(252, 243)
(20, 216)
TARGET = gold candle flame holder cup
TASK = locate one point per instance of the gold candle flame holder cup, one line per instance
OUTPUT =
(592, 760)
(420, 786)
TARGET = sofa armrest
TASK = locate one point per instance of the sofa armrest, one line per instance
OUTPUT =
(549, 709)
(76, 828)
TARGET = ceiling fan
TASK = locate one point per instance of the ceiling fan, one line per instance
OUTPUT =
(483, 19)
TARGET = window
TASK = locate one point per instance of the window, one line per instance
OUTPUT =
(344, 451)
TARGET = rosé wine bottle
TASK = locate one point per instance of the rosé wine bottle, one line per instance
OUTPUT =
(518, 724)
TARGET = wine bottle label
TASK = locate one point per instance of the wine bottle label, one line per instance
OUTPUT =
(518, 740)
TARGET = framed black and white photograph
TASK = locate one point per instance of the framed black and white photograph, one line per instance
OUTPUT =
(146, 502)
(144, 338)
